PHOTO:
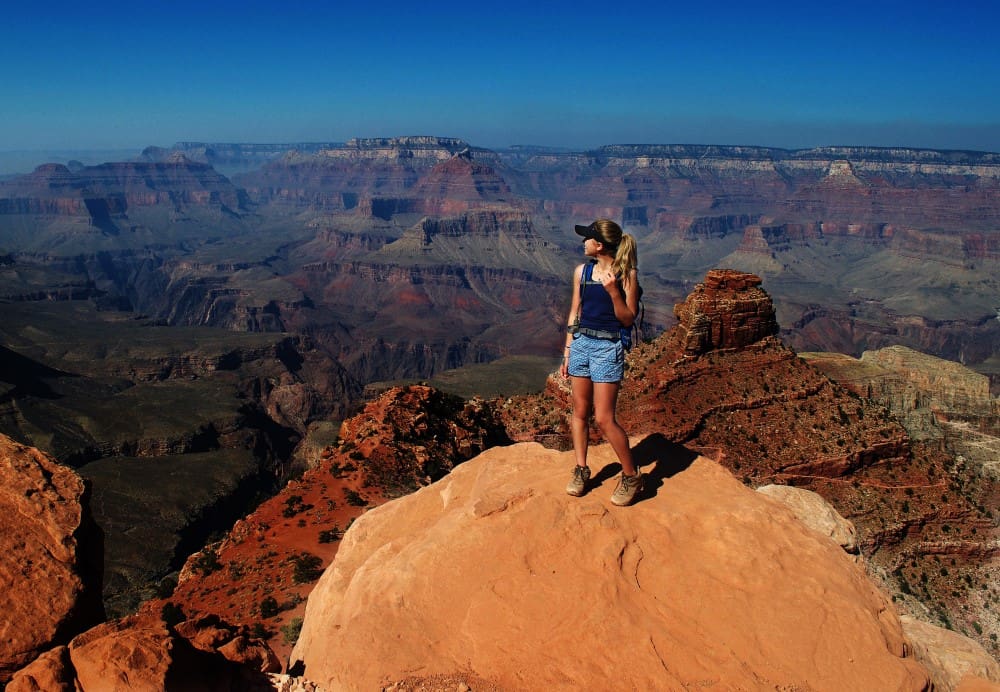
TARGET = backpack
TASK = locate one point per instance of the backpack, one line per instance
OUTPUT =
(629, 336)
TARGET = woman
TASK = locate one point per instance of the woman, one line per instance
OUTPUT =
(605, 299)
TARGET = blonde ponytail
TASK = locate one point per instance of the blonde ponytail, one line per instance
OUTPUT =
(626, 257)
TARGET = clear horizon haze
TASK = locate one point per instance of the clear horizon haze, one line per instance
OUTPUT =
(116, 76)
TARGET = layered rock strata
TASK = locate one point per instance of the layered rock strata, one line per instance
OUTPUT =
(729, 310)
(937, 400)
(110, 189)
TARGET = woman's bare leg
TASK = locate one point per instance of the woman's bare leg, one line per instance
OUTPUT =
(605, 401)
(583, 394)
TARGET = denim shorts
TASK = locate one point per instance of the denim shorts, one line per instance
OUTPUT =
(601, 360)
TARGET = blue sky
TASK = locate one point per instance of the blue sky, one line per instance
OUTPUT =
(574, 74)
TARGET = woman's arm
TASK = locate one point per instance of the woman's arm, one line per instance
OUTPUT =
(574, 310)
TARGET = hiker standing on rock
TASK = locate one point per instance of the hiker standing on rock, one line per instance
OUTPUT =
(605, 302)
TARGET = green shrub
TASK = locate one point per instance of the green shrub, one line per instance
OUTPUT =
(354, 499)
(207, 562)
(294, 505)
(268, 607)
(307, 568)
(329, 535)
(290, 632)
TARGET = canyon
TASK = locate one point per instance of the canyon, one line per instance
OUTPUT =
(189, 341)
(861, 247)
(686, 402)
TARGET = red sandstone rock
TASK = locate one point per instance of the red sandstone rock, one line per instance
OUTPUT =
(50, 672)
(399, 441)
(728, 310)
(141, 653)
(211, 635)
(114, 187)
(461, 178)
(126, 654)
(971, 683)
(495, 572)
(49, 556)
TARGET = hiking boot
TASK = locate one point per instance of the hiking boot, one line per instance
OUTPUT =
(578, 483)
(628, 489)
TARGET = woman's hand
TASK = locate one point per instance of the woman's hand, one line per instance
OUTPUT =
(564, 368)
(610, 283)
(627, 305)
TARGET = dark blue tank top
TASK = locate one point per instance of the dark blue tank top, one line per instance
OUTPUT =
(598, 311)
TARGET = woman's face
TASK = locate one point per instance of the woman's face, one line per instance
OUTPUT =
(591, 247)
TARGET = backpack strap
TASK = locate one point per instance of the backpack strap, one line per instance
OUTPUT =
(586, 275)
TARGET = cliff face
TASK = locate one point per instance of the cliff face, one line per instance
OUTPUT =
(863, 247)
(179, 431)
(50, 556)
(462, 178)
(236, 595)
(230, 157)
(751, 404)
(449, 291)
(110, 189)
(499, 237)
(936, 400)
(360, 168)
(729, 310)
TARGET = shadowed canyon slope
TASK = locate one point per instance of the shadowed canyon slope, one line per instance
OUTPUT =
(178, 430)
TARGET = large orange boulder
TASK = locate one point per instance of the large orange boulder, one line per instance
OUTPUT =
(50, 556)
(494, 573)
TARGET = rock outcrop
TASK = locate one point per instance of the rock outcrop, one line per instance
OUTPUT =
(401, 440)
(107, 191)
(50, 556)
(924, 518)
(936, 399)
(728, 310)
(495, 572)
(812, 510)
(145, 653)
(948, 656)
(337, 177)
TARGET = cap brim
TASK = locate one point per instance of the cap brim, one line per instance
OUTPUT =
(585, 231)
